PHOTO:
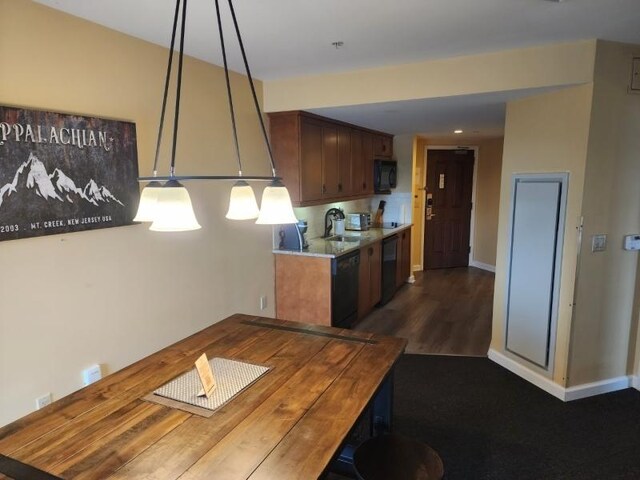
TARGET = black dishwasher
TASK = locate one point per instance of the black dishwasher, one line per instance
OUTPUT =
(344, 289)
(389, 260)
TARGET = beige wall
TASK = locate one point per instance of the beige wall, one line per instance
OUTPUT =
(403, 153)
(112, 296)
(546, 133)
(418, 200)
(536, 67)
(487, 171)
(487, 201)
(604, 324)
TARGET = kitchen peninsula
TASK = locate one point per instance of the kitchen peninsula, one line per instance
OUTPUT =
(291, 423)
(312, 287)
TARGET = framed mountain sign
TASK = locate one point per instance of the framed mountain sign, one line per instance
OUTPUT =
(64, 173)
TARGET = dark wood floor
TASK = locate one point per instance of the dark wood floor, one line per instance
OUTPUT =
(445, 312)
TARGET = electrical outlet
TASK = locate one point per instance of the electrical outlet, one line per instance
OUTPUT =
(91, 375)
(43, 401)
(263, 302)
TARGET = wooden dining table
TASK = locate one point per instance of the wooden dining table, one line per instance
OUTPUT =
(294, 422)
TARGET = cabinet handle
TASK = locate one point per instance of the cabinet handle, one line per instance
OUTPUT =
(324, 189)
(339, 187)
(364, 185)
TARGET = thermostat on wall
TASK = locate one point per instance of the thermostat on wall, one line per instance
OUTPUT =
(632, 242)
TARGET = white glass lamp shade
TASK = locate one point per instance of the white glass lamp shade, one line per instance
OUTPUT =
(147, 205)
(174, 212)
(276, 208)
(242, 202)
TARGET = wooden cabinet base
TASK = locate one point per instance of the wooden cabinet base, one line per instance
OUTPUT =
(303, 289)
(369, 278)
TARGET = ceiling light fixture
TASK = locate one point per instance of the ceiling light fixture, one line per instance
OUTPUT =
(169, 206)
(457, 132)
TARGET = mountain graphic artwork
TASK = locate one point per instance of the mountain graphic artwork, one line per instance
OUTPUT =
(32, 175)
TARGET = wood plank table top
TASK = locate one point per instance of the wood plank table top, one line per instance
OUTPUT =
(289, 424)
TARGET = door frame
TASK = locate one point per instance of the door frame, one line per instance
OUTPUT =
(472, 220)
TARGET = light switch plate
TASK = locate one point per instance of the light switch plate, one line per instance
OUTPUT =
(599, 242)
(635, 76)
(632, 242)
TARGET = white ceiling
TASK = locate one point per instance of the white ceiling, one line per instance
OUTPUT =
(477, 115)
(286, 38)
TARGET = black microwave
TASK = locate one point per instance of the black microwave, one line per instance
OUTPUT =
(384, 175)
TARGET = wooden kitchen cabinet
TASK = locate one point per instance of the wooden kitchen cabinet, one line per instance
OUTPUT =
(322, 160)
(382, 146)
(369, 291)
(367, 163)
(311, 143)
(345, 162)
(403, 265)
(357, 165)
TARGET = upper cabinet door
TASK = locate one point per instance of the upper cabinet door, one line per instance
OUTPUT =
(311, 145)
(330, 162)
(345, 161)
(357, 178)
(367, 163)
(382, 146)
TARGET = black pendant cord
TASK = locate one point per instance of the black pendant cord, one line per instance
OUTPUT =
(178, 89)
(253, 88)
(166, 87)
(229, 94)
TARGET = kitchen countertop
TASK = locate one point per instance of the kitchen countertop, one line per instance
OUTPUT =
(320, 247)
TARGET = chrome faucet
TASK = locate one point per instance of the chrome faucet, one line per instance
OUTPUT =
(332, 214)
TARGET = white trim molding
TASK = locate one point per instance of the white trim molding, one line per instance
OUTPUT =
(530, 376)
(596, 388)
(483, 266)
(565, 394)
(635, 382)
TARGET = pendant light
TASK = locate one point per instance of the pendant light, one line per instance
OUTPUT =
(169, 207)
(174, 212)
(276, 205)
(242, 201)
(148, 202)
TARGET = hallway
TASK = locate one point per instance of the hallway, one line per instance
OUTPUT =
(445, 312)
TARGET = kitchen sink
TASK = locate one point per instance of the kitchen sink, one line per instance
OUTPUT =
(343, 238)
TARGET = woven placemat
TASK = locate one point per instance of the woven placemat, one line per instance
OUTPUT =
(231, 378)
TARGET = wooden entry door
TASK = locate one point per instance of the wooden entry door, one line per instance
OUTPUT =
(448, 208)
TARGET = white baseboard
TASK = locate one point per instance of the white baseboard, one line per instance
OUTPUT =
(596, 388)
(529, 375)
(635, 382)
(483, 266)
(565, 394)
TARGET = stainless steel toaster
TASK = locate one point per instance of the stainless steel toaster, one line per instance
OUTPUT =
(357, 221)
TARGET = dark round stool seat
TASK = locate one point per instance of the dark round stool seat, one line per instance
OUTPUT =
(396, 457)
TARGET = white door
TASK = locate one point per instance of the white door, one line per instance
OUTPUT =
(537, 224)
